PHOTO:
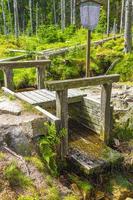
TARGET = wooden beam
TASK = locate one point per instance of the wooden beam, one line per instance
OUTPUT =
(106, 113)
(40, 72)
(25, 64)
(50, 117)
(8, 78)
(62, 113)
(81, 82)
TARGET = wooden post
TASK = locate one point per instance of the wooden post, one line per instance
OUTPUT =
(105, 113)
(88, 53)
(62, 113)
(8, 78)
(40, 77)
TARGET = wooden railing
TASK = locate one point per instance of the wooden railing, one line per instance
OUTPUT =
(61, 88)
(7, 68)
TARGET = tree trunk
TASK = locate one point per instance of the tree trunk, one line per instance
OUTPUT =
(4, 17)
(122, 16)
(73, 12)
(37, 17)
(63, 14)
(128, 26)
(108, 17)
(16, 20)
(54, 12)
(31, 19)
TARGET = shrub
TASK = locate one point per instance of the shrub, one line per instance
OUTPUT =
(53, 194)
(48, 145)
(16, 177)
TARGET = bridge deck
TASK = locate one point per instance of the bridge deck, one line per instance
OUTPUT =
(87, 152)
(48, 98)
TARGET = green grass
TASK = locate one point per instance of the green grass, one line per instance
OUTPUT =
(2, 156)
(36, 162)
(16, 177)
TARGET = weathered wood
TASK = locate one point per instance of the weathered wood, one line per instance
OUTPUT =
(50, 117)
(105, 113)
(15, 58)
(8, 78)
(7, 67)
(40, 77)
(25, 64)
(62, 113)
(81, 82)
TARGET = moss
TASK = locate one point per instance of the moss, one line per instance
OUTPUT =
(16, 177)
(27, 197)
(36, 161)
(118, 181)
(2, 156)
(71, 197)
(53, 194)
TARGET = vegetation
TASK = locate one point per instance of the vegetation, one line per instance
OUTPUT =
(48, 145)
(16, 177)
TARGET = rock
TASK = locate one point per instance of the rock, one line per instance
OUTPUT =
(9, 107)
(18, 131)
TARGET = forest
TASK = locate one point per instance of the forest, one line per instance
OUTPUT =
(66, 100)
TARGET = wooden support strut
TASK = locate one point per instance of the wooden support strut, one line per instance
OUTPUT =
(8, 78)
(105, 112)
(62, 113)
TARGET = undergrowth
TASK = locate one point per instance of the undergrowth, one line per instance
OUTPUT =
(48, 145)
(16, 177)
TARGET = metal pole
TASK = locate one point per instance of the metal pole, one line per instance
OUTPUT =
(88, 53)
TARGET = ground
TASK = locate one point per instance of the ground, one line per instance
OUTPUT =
(27, 178)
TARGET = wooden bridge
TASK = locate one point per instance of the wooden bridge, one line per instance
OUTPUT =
(62, 94)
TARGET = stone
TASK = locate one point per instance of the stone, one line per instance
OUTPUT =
(18, 131)
(9, 107)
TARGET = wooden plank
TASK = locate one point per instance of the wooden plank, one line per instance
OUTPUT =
(50, 116)
(40, 77)
(62, 113)
(105, 113)
(39, 92)
(51, 93)
(82, 82)
(8, 91)
(8, 78)
(25, 64)
(26, 99)
(32, 97)
(43, 98)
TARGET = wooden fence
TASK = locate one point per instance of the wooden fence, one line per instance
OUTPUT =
(61, 88)
(7, 68)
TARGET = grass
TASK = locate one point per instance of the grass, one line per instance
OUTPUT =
(16, 177)
(2, 156)
(36, 161)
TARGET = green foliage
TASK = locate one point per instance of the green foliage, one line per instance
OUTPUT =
(24, 78)
(48, 145)
(71, 197)
(52, 34)
(53, 194)
(124, 130)
(27, 197)
(125, 68)
(84, 185)
(102, 24)
(118, 181)
(36, 161)
(16, 177)
(2, 156)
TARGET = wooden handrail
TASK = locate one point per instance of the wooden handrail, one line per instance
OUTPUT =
(25, 64)
(8, 67)
(81, 82)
